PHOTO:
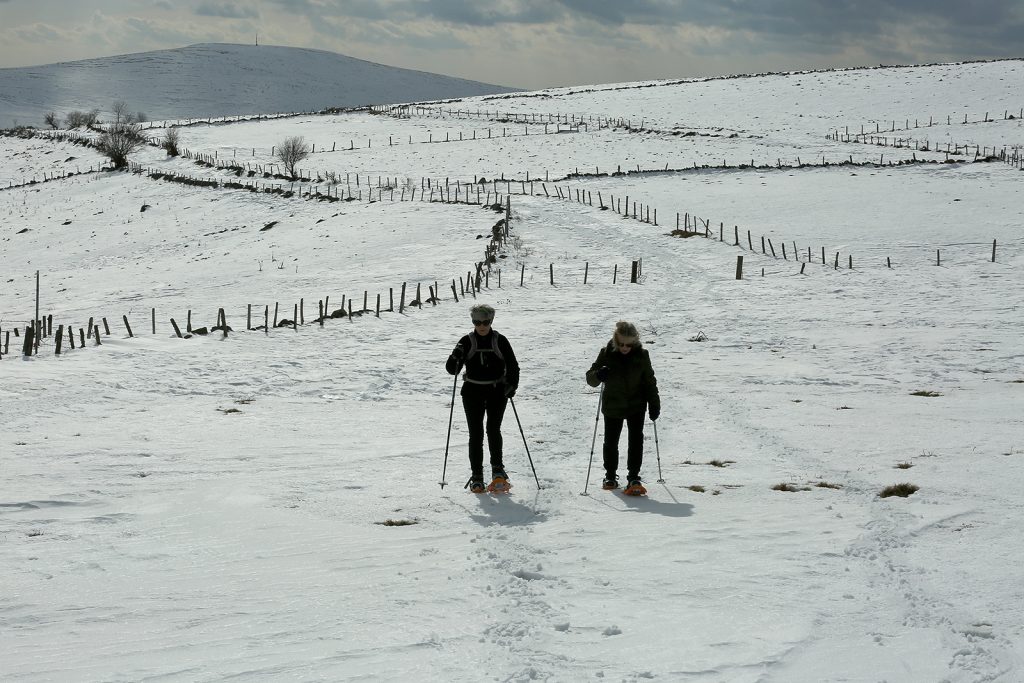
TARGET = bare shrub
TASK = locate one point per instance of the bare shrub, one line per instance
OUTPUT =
(170, 142)
(81, 119)
(118, 141)
(293, 150)
(52, 120)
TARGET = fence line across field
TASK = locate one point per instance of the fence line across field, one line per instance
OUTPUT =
(470, 284)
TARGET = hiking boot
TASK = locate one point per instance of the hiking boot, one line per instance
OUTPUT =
(477, 485)
(610, 482)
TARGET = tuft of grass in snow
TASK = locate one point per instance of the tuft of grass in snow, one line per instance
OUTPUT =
(827, 485)
(790, 487)
(901, 490)
(397, 522)
(928, 394)
(228, 411)
(721, 463)
(904, 465)
(697, 489)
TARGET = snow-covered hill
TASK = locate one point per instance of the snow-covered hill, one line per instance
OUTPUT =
(218, 80)
(218, 507)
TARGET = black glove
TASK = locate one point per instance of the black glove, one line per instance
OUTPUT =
(602, 373)
(510, 390)
(459, 354)
(654, 412)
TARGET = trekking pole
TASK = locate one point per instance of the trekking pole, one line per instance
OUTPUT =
(661, 480)
(516, 413)
(597, 419)
(451, 414)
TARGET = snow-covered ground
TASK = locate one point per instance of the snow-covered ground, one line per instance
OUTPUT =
(210, 508)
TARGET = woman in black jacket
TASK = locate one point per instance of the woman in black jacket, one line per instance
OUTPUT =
(490, 380)
(630, 390)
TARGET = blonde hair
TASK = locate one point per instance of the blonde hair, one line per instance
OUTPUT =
(625, 333)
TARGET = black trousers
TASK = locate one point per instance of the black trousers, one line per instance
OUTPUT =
(634, 448)
(480, 401)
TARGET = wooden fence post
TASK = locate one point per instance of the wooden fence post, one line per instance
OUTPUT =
(739, 266)
(175, 326)
(401, 300)
(993, 251)
(26, 348)
(127, 326)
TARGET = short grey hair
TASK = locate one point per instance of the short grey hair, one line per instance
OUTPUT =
(482, 312)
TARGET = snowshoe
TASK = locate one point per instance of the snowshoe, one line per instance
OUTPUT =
(635, 488)
(500, 483)
(610, 483)
(477, 486)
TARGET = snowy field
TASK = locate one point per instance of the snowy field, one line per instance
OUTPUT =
(211, 508)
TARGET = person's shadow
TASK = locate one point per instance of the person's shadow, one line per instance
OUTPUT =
(505, 510)
(660, 507)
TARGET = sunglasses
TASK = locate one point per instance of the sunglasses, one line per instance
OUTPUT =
(481, 322)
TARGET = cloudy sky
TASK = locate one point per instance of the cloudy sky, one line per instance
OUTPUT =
(534, 43)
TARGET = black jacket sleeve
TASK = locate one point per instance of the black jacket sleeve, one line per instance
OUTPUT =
(601, 361)
(651, 386)
(454, 364)
(511, 364)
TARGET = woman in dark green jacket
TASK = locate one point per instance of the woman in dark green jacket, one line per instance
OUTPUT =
(630, 390)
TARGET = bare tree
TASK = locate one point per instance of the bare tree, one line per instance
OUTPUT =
(77, 119)
(121, 112)
(118, 141)
(292, 151)
(170, 142)
(52, 120)
(140, 117)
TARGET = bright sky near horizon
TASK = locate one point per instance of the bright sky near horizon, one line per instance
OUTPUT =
(534, 43)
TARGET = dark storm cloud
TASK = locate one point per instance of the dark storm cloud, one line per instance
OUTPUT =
(982, 26)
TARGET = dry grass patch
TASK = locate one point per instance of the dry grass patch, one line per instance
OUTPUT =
(901, 490)
(827, 485)
(904, 465)
(926, 394)
(791, 488)
(721, 463)
(398, 522)
(697, 489)
(228, 411)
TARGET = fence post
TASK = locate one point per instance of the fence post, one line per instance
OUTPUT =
(739, 266)
(633, 273)
(126, 326)
(993, 251)
(26, 348)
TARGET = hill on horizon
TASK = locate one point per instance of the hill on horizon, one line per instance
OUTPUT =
(219, 79)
